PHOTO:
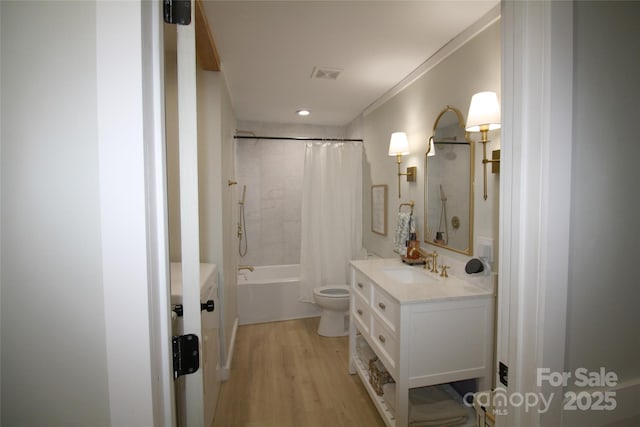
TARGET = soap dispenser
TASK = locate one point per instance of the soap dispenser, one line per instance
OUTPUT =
(413, 245)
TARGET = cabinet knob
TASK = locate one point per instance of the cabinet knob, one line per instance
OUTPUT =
(360, 312)
(381, 338)
(382, 306)
(360, 285)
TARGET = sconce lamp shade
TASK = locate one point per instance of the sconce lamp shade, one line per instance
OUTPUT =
(432, 148)
(484, 115)
(484, 111)
(399, 144)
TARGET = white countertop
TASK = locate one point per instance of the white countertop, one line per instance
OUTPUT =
(414, 284)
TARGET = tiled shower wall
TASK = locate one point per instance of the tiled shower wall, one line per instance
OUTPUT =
(272, 171)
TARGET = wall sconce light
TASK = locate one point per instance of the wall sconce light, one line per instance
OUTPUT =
(399, 145)
(484, 115)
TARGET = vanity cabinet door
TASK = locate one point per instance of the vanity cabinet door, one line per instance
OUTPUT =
(362, 287)
(448, 341)
(385, 344)
(361, 313)
(386, 308)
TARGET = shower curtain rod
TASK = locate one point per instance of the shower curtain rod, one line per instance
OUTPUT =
(293, 138)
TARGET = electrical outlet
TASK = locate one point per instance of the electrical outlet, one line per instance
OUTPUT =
(485, 248)
(503, 372)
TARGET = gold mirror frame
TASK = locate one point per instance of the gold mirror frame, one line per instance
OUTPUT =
(453, 218)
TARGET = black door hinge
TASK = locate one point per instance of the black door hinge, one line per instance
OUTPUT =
(177, 12)
(186, 355)
(503, 372)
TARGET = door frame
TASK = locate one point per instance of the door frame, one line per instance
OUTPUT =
(160, 330)
(135, 270)
(535, 184)
(189, 208)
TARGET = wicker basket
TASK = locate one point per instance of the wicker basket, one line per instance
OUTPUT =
(378, 376)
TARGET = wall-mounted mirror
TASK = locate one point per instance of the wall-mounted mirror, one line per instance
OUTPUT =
(448, 184)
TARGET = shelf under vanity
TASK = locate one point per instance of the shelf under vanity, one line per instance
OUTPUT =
(426, 330)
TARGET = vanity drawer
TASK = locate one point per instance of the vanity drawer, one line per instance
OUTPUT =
(361, 313)
(387, 308)
(362, 286)
(385, 344)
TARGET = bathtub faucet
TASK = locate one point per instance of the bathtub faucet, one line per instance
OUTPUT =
(245, 267)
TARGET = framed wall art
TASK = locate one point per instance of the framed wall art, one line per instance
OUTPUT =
(379, 209)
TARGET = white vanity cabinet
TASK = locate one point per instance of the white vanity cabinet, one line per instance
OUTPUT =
(425, 332)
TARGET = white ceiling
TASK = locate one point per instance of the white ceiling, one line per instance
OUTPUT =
(268, 50)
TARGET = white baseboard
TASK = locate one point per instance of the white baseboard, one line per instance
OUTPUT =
(225, 372)
(279, 319)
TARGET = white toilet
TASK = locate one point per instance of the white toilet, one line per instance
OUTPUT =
(334, 302)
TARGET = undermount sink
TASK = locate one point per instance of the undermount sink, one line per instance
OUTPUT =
(408, 275)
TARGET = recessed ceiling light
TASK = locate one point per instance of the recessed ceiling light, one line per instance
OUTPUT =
(303, 112)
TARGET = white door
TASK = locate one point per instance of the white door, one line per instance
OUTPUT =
(191, 390)
(189, 220)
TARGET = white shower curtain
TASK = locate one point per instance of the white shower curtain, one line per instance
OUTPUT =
(331, 214)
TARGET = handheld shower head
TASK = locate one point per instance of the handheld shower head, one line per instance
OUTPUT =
(442, 196)
(244, 191)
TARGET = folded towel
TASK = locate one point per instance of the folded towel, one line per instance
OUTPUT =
(448, 423)
(437, 414)
(431, 394)
(432, 406)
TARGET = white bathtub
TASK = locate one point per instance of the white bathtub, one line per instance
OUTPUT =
(271, 293)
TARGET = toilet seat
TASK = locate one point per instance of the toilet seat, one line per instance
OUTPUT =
(335, 291)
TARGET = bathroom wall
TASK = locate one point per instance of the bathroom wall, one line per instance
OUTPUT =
(603, 292)
(216, 166)
(472, 68)
(51, 243)
(273, 170)
(76, 258)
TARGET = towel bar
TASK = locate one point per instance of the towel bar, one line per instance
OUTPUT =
(410, 203)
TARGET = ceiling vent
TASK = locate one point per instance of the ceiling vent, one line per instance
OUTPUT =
(325, 73)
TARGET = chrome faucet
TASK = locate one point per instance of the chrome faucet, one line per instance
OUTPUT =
(245, 267)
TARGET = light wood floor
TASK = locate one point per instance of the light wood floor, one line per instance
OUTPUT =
(284, 374)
